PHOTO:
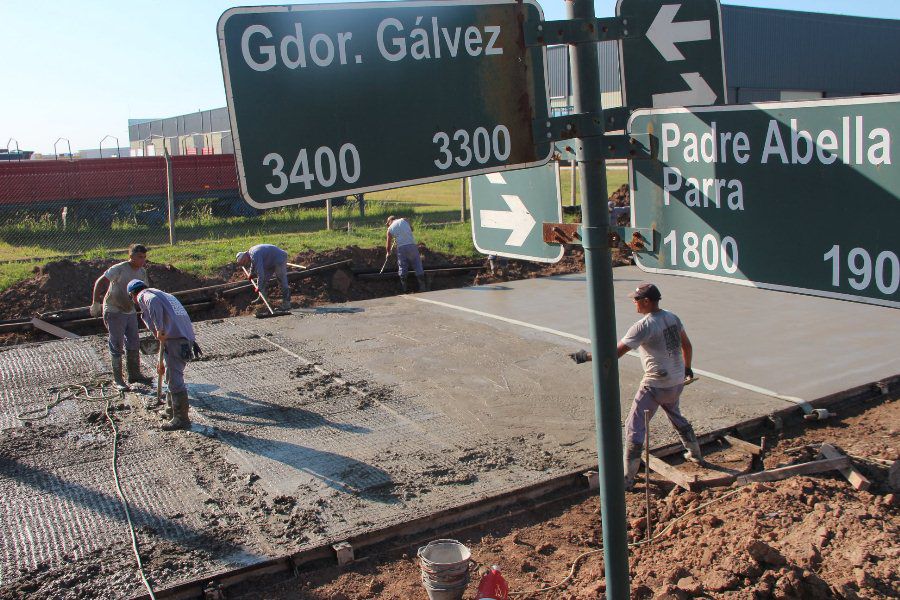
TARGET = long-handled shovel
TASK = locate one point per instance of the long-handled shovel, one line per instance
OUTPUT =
(386, 258)
(159, 373)
(257, 290)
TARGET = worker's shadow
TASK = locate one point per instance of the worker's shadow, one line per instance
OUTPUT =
(337, 471)
(235, 408)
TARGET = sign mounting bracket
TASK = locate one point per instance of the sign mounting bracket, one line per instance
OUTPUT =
(578, 31)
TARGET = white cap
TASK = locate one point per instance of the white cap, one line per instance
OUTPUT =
(240, 256)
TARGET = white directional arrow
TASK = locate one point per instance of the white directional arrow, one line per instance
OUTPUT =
(699, 94)
(517, 219)
(664, 32)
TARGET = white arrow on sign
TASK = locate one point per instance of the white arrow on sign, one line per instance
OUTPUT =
(664, 32)
(699, 94)
(517, 219)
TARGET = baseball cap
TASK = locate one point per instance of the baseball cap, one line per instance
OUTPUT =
(135, 286)
(646, 290)
(240, 256)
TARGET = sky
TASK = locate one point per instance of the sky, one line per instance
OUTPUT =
(80, 70)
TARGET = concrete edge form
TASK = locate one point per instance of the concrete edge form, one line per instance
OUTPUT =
(572, 482)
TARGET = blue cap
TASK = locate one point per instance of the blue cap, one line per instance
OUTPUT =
(135, 286)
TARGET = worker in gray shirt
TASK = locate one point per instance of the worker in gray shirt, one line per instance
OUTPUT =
(263, 260)
(399, 232)
(666, 352)
(168, 320)
(111, 300)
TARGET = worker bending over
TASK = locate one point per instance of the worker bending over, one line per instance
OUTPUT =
(110, 300)
(665, 352)
(265, 259)
(168, 320)
(400, 231)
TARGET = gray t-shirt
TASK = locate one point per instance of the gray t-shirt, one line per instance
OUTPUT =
(658, 339)
(402, 232)
(117, 299)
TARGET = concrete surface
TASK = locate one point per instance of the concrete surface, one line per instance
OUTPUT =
(328, 423)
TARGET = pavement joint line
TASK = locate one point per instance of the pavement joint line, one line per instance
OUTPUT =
(721, 378)
(398, 415)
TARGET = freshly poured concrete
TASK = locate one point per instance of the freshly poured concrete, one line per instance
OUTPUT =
(328, 423)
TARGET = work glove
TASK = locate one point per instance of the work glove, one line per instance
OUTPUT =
(96, 309)
(688, 373)
(582, 356)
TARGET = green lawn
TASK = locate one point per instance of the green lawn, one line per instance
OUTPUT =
(206, 243)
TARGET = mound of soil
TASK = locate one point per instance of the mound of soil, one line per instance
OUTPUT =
(66, 284)
(803, 538)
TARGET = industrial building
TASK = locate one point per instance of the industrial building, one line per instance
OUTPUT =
(770, 55)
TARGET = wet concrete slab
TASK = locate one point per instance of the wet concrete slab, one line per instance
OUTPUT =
(317, 426)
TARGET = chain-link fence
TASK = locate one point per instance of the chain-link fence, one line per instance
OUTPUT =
(69, 208)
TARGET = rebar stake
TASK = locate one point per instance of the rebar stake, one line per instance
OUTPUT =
(647, 473)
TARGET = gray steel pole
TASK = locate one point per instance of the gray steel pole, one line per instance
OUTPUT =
(601, 310)
(573, 175)
(462, 200)
(170, 192)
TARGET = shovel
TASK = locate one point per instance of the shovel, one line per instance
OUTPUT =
(386, 258)
(258, 291)
(159, 376)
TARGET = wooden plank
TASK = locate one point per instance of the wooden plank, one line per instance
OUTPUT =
(296, 266)
(673, 474)
(807, 468)
(743, 445)
(54, 330)
(856, 479)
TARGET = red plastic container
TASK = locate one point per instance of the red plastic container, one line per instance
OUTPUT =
(493, 586)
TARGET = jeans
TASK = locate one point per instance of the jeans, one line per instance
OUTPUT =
(408, 256)
(650, 398)
(123, 332)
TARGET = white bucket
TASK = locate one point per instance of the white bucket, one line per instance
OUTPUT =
(445, 569)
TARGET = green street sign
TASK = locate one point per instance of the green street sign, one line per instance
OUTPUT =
(673, 55)
(337, 99)
(794, 196)
(509, 210)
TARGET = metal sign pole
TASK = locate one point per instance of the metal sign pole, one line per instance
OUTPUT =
(598, 267)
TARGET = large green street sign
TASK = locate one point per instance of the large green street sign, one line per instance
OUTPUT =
(675, 56)
(793, 196)
(329, 100)
(509, 210)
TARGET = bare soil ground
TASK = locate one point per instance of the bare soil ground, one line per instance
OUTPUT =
(66, 284)
(805, 537)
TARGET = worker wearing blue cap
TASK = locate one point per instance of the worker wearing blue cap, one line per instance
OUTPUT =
(168, 320)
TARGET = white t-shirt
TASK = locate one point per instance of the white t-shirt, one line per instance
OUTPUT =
(657, 338)
(402, 232)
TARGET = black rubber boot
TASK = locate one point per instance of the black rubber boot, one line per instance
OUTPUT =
(423, 283)
(180, 419)
(133, 366)
(403, 285)
(117, 373)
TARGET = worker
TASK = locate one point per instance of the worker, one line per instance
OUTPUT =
(169, 323)
(400, 231)
(264, 259)
(110, 300)
(615, 212)
(665, 352)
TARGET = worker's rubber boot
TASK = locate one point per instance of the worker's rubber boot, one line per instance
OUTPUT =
(632, 462)
(690, 443)
(133, 366)
(117, 373)
(403, 284)
(180, 419)
(166, 413)
(423, 283)
(286, 302)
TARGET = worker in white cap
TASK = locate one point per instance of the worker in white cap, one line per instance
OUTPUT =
(264, 259)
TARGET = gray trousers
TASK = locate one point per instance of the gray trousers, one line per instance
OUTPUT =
(408, 256)
(280, 273)
(123, 332)
(177, 354)
(650, 398)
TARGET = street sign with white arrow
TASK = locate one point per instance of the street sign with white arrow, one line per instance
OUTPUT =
(509, 210)
(673, 55)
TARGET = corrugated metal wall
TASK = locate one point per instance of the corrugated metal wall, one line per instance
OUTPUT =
(788, 50)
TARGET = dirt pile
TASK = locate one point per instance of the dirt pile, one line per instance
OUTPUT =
(66, 284)
(807, 537)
